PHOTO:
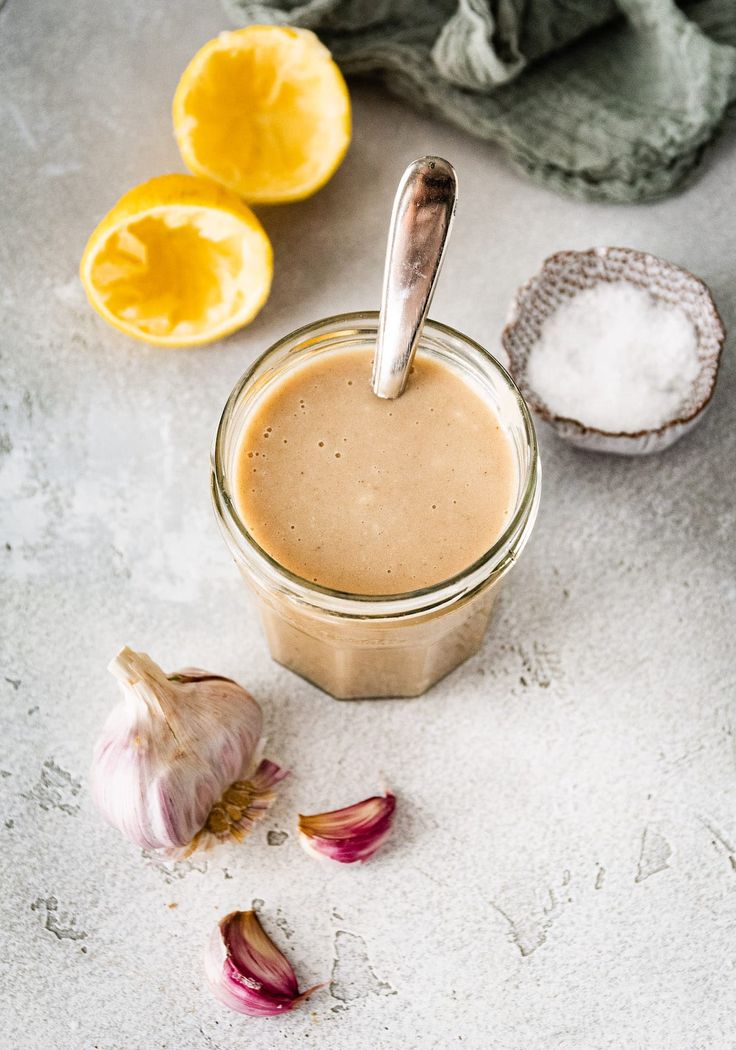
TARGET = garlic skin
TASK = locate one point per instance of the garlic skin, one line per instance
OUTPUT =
(247, 972)
(241, 806)
(171, 748)
(351, 834)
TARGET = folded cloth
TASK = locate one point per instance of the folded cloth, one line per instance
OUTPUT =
(602, 99)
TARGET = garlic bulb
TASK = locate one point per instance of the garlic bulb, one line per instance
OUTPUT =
(351, 834)
(246, 971)
(169, 768)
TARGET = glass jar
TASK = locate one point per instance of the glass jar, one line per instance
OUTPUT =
(353, 645)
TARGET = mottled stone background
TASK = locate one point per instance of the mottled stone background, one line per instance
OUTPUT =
(563, 869)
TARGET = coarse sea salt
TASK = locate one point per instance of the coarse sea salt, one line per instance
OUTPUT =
(616, 359)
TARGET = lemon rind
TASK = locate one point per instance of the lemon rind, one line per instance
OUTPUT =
(106, 229)
(182, 120)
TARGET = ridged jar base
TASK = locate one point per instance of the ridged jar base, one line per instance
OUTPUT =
(373, 660)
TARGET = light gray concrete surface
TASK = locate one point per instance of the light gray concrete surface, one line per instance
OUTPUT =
(563, 873)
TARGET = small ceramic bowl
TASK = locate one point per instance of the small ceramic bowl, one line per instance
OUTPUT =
(564, 275)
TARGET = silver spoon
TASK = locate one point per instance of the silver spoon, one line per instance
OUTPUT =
(422, 216)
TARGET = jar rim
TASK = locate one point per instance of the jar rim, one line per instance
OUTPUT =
(489, 565)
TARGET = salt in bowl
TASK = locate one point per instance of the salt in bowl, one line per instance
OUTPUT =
(567, 273)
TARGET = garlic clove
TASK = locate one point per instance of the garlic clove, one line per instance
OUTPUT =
(247, 972)
(172, 746)
(351, 834)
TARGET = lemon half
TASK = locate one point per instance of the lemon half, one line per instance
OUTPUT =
(179, 261)
(264, 111)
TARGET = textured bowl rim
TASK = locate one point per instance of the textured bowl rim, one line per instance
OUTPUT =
(544, 411)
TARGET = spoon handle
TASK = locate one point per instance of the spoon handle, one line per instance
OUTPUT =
(422, 216)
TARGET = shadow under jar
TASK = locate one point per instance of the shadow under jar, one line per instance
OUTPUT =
(369, 646)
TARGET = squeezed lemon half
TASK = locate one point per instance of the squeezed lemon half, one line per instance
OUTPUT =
(179, 261)
(264, 111)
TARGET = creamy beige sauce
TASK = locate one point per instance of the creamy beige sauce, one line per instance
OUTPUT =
(367, 495)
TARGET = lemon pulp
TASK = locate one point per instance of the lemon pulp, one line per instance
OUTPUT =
(178, 261)
(264, 111)
(173, 274)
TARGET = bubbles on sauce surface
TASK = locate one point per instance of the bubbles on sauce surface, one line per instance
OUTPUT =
(364, 484)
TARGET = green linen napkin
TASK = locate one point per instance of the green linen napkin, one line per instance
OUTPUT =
(602, 99)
